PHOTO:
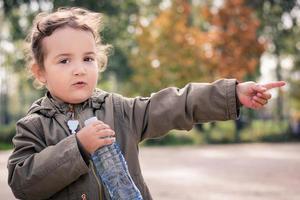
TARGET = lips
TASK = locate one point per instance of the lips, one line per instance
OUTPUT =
(79, 84)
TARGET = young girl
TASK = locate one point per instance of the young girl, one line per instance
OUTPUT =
(50, 161)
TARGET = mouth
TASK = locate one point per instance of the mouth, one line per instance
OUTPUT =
(79, 84)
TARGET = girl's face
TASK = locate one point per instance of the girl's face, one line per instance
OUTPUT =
(70, 66)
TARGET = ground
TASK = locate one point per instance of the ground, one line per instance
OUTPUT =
(218, 172)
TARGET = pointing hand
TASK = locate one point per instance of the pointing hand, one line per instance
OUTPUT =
(254, 95)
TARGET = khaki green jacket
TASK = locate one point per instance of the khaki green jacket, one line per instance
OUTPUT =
(47, 162)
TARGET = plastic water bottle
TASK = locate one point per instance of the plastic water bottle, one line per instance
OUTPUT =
(112, 169)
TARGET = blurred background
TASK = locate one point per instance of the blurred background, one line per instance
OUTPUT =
(160, 43)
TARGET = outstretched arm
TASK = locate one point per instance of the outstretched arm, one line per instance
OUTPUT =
(254, 95)
(175, 108)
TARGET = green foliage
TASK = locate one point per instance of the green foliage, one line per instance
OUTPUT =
(7, 132)
(221, 133)
(224, 133)
(175, 138)
(5, 146)
(265, 131)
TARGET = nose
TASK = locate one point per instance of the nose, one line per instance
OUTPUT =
(79, 69)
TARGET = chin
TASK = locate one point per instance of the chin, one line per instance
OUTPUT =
(76, 97)
(77, 100)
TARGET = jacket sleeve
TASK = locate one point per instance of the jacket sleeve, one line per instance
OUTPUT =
(37, 171)
(174, 108)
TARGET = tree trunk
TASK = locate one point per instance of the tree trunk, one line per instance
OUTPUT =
(279, 100)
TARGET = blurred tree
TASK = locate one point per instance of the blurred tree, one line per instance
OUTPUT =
(235, 50)
(294, 76)
(170, 50)
(17, 17)
(188, 42)
(184, 44)
(4, 98)
(279, 21)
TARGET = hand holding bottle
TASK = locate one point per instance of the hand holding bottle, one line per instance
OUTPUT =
(95, 135)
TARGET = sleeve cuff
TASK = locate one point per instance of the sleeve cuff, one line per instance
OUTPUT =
(85, 155)
(232, 99)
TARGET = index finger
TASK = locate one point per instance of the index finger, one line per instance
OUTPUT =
(274, 84)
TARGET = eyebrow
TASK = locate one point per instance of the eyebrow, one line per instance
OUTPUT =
(90, 52)
(69, 54)
(62, 55)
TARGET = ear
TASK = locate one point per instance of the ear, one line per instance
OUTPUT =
(38, 73)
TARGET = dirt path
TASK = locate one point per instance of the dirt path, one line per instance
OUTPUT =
(231, 172)
(226, 172)
(5, 192)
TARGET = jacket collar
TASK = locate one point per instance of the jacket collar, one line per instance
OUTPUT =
(50, 106)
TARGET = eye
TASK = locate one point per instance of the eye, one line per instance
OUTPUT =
(64, 61)
(88, 59)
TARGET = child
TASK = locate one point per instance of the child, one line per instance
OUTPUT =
(50, 161)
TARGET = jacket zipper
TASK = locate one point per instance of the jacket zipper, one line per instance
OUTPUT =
(72, 110)
(74, 115)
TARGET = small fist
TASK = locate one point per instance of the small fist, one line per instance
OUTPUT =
(95, 135)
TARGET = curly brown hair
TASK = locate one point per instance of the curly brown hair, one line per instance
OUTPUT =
(45, 24)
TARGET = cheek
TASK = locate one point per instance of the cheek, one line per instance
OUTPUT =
(57, 80)
(94, 74)
(95, 79)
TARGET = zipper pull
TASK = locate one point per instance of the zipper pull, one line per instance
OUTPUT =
(72, 111)
(72, 123)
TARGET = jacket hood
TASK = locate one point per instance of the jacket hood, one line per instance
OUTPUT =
(49, 106)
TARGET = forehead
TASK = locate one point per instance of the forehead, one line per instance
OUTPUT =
(69, 40)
